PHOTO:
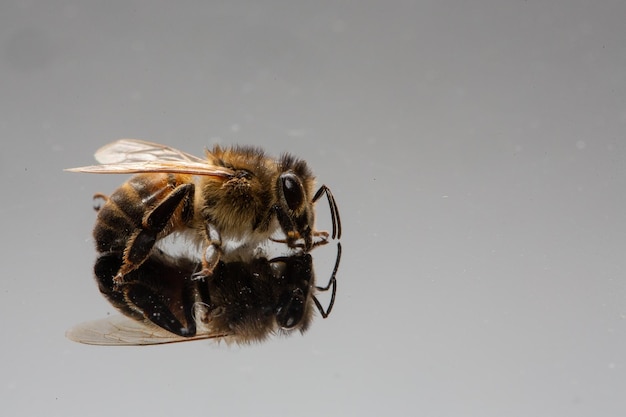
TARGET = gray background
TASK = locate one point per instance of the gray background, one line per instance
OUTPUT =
(477, 153)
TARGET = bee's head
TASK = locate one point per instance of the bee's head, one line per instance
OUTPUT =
(295, 281)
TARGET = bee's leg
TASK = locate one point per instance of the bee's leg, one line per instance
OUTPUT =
(141, 243)
(323, 238)
(155, 309)
(147, 290)
(293, 238)
(99, 196)
(105, 269)
(211, 253)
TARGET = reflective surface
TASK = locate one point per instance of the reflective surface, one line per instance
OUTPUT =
(476, 152)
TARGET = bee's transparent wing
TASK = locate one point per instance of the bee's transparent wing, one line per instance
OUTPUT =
(119, 330)
(135, 150)
(127, 156)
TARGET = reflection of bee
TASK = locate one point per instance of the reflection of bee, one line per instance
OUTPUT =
(240, 302)
(234, 195)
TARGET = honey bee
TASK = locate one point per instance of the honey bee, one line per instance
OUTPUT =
(240, 302)
(234, 198)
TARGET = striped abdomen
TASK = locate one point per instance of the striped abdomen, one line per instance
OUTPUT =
(143, 203)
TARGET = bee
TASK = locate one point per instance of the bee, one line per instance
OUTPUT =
(240, 302)
(224, 204)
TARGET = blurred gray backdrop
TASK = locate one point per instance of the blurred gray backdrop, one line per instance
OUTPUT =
(477, 152)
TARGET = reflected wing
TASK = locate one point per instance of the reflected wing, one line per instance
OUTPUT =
(122, 331)
(127, 156)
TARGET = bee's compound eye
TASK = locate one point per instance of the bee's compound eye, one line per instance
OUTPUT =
(292, 191)
(291, 309)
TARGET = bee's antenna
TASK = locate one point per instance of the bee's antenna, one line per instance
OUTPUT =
(331, 283)
(334, 211)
